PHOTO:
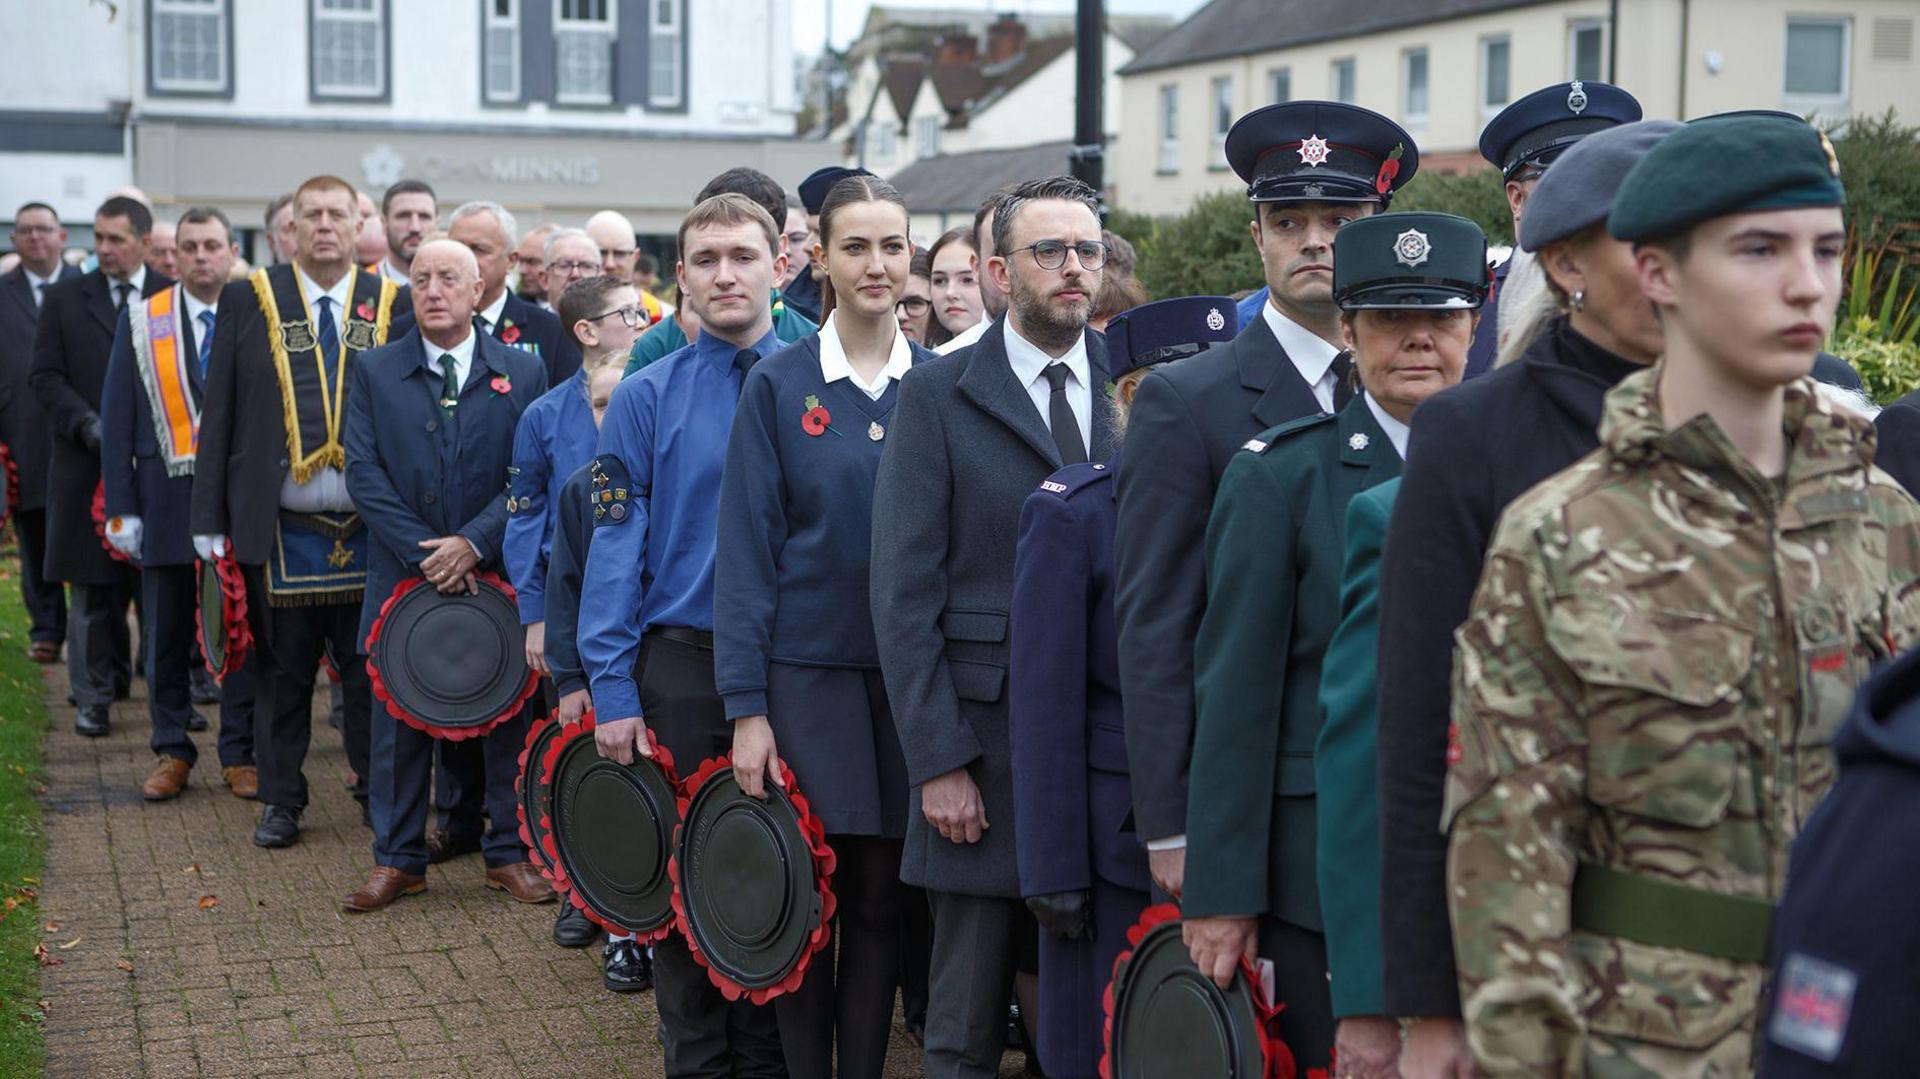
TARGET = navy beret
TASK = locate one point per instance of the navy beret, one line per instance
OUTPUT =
(1167, 330)
(1570, 200)
(813, 189)
(1540, 126)
(1320, 151)
(1727, 166)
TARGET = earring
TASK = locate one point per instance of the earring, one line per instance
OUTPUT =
(1578, 301)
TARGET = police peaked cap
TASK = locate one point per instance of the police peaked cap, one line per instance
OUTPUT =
(1167, 330)
(1320, 151)
(1540, 126)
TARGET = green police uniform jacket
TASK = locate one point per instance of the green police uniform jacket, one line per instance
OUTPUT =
(1275, 544)
(1345, 768)
(1661, 647)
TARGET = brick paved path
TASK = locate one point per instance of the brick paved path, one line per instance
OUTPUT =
(274, 979)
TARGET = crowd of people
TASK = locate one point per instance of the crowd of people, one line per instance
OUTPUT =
(1461, 649)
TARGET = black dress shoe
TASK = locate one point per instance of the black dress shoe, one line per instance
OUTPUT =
(628, 967)
(123, 691)
(573, 929)
(196, 721)
(91, 720)
(279, 827)
(201, 686)
(443, 845)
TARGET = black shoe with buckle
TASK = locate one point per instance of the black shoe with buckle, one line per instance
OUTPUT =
(279, 827)
(573, 929)
(91, 720)
(629, 969)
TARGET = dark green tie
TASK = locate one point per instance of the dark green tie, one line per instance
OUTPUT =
(449, 385)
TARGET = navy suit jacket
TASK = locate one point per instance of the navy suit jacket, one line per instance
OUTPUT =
(415, 475)
(131, 467)
(534, 329)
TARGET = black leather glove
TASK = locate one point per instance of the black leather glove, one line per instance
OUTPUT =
(90, 433)
(1067, 915)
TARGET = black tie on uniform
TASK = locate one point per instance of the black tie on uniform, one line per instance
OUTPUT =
(1342, 379)
(120, 290)
(743, 362)
(1066, 429)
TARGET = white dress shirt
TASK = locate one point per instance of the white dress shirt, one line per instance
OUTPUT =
(462, 354)
(490, 316)
(1029, 369)
(834, 365)
(36, 283)
(326, 492)
(966, 337)
(1312, 356)
(1396, 431)
(393, 273)
(138, 281)
(194, 307)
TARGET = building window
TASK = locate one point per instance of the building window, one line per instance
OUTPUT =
(1169, 129)
(1413, 80)
(926, 136)
(188, 46)
(1817, 57)
(501, 46)
(882, 140)
(583, 36)
(1341, 88)
(1587, 49)
(1496, 68)
(664, 74)
(1222, 120)
(1280, 85)
(349, 48)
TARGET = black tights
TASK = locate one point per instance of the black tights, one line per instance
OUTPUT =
(851, 1000)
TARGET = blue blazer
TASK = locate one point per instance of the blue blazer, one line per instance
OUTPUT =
(131, 468)
(538, 331)
(1071, 793)
(414, 476)
(573, 530)
(555, 439)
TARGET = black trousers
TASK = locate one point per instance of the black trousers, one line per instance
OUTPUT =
(99, 646)
(916, 955)
(977, 943)
(1300, 981)
(45, 600)
(848, 1000)
(459, 786)
(289, 643)
(707, 1035)
(169, 600)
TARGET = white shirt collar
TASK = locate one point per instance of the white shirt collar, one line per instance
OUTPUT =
(392, 272)
(341, 294)
(1396, 431)
(138, 281)
(462, 354)
(834, 365)
(491, 316)
(194, 307)
(1028, 361)
(966, 337)
(1311, 354)
(34, 280)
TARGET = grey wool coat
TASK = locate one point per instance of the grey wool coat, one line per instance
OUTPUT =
(966, 448)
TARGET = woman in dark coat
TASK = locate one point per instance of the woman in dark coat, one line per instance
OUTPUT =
(794, 652)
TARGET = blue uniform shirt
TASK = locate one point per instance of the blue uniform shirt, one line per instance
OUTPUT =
(662, 444)
(554, 440)
(573, 528)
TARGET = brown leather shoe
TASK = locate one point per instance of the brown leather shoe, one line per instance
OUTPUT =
(243, 780)
(167, 780)
(521, 881)
(384, 885)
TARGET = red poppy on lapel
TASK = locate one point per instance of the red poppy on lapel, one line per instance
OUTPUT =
(509, 334)
(501, 384)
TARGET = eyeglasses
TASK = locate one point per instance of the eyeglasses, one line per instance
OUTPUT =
(35, 230)
(914, 306)
(1052, 254)
(566, 268)
(629, 314)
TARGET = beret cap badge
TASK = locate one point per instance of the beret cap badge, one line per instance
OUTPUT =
(1411, 248)
(1215, 320)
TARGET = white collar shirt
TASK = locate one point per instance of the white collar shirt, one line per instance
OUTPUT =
(393, 273)
(326, 491)
(965, 337)
(1029, 365)
(340, 294)
(138, 281)
(461, 353)
(834, 365)
(36, 283)
(490, 316)
(1396, 431)
(194, 307)
(1312, 356)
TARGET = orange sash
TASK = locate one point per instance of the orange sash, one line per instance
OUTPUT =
(161, 358)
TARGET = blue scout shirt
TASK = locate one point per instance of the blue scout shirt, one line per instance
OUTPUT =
(656, 509)
(573, 527)
(554, 440)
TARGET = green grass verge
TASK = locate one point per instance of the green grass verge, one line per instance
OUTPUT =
(23, 723)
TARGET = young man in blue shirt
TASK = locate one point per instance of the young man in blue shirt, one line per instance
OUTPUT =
(648, 591)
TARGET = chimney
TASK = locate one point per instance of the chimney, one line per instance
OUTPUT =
(1006, 38)
(957, 50)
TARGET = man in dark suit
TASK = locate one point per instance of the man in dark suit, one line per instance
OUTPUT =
(1024, 401)
(429, 441)
(269, 487)
(146, 464)
(38, 238)
(1310, 167)
(70, 349)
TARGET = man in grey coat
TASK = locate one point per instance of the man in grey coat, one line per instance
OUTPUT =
(974, 434)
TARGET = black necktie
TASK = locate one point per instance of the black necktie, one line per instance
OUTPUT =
(120, 290)
(39, 293)
(1342, 369)
(328, 331)
(1066, 429)
(743, 362)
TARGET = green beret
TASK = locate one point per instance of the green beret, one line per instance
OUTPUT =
(1726, 165)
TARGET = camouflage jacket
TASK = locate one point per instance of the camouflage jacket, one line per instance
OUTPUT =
(1662, 644)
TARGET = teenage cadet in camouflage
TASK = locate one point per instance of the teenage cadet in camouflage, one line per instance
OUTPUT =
(1667, 635)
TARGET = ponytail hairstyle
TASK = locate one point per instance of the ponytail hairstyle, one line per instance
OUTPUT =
(858, 187)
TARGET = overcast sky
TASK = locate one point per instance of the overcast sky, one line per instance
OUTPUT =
(809, 16)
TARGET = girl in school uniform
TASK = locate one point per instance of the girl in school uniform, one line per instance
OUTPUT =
(794, 651)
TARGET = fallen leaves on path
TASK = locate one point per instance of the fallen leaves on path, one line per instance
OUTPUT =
(46, 958)
(67, 946)
(124, 965)
(208, 902)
